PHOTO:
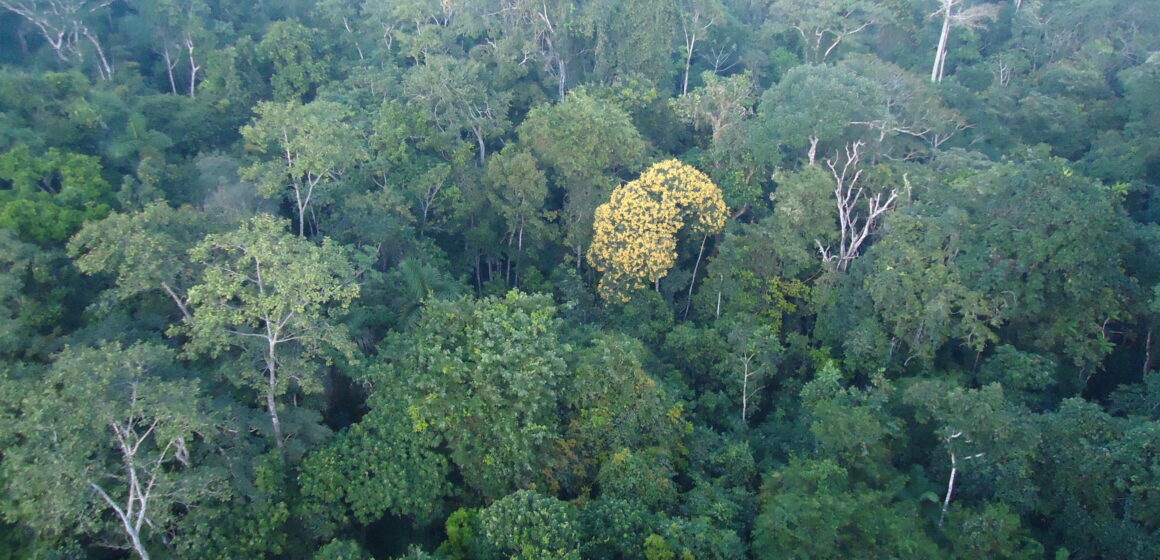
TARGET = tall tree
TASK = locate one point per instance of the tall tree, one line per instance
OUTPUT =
(456, 96)
(955, 13)
(697, 18)
(64, 24)
(483, 377)
(145, 251)
(518, 191)
(636, 231)
(297, 68)
(584, 143)
(824, 25)
(312, 146)
(860, 209)
(125, 468)
(275, 297)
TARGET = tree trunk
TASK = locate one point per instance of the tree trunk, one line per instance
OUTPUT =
(693, 282)
(271, 404)
(745, 391)
(562, 73)
(950, 489)
(482, 147)
(193, 68)
(1148, 352)
(103, 67)
(177, 299)
(690, 45)
(169, 66)
(936, 71)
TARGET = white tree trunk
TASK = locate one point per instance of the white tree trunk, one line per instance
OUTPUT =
(940, 54)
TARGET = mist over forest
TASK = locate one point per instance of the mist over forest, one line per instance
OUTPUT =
(579, 279)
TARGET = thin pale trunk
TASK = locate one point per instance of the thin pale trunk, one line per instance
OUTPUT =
(169, 66)
(720, 291)
(745, 392)
(301, 204)
(194, 68)
(103, 66)
(138, 547)
(133, 533)
(693, 282)
(936, 72)
(271, 404)
(354, 39)
(478, 275)
(482, 147)
(176, 299)
(950, 489)
(562, 74)
(691, 45)
(1148, 353)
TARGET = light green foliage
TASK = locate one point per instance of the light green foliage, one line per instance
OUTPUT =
(308, 149)
(1092, 465)
(1039, 255)
(687, 539)
(612, 404)
(722, 106)
(378, 466)
(811, 509)
(518, 191)
(821, 27)
(342, 549)
(106, 444)
(1022, 374)
(724, 474)
(48, 197)
(993, 532)
(912, 402)
(815, 102)
(275, 297)
(719, 105)
(465, 538)
(256, 521)
(144, 251)
(484, 376)
(992, 440)
(853, 426)
(650, 53)
(583, 143)
(455, 96)
(1139, 399)
(915, 120)
(804, 215)
(33, 297)
(298, 68)
(919, 292)
(643, 475)
(530, 526)
(616, 529)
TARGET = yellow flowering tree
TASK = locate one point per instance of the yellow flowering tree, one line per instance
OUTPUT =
(635, 232)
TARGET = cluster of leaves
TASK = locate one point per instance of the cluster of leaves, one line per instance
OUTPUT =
(636, 231)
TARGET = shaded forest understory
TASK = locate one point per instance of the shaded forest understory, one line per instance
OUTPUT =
(662, 279)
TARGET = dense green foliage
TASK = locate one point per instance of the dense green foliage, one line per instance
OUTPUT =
(660, 279)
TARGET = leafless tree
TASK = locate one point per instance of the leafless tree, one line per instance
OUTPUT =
(955, 15)
(859, 211)
(62, 24)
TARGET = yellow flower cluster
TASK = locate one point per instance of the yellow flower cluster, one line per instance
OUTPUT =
(635, 233)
